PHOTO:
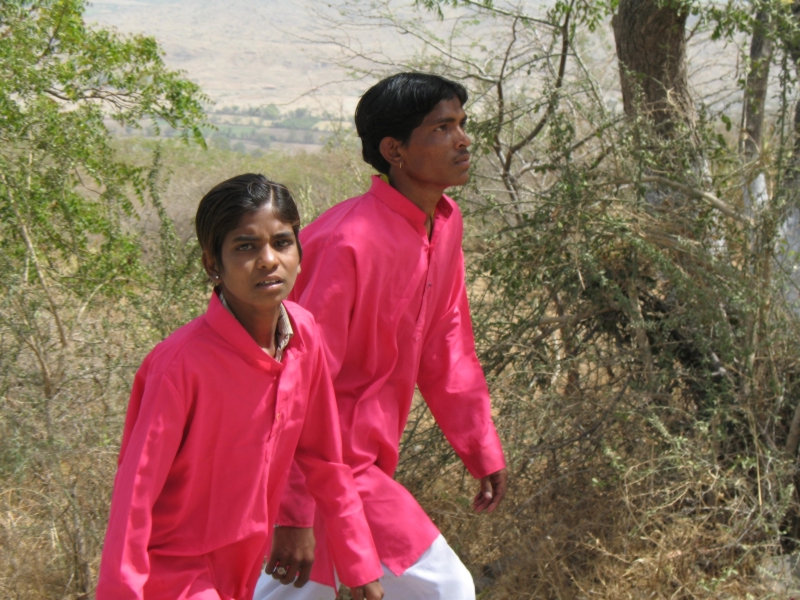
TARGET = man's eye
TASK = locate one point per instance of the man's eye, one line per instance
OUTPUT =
(245, 247)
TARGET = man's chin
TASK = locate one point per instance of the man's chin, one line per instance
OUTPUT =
(457, 181)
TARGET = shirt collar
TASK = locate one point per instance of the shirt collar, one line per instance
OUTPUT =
(381, 189)
(283, 333)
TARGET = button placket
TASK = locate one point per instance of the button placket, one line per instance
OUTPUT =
(280, 414)
(430, 244)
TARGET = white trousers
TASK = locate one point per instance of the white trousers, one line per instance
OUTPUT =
(437, 575)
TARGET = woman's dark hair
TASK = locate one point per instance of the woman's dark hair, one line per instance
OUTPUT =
(396, 106)
(223, 207)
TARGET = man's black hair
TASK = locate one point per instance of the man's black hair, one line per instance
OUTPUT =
(396, 106)
(223, 207)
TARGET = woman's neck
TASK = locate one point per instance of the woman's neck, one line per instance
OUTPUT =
(261, 324)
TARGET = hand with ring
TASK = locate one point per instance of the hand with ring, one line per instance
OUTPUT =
(292, 555)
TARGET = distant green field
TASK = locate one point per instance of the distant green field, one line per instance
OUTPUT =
(250, 129)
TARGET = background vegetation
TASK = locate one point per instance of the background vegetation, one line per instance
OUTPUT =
(632, 252)
(253, 130)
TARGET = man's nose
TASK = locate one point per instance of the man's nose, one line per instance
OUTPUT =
(464, 141)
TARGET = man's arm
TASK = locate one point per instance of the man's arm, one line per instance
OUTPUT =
(327, 287)
(453, 384)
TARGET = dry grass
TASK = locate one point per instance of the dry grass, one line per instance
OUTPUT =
(625, 483)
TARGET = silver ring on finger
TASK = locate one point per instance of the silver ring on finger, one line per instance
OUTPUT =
(281, 571)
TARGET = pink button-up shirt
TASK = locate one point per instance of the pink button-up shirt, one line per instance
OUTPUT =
(212, 427)
(392, 307)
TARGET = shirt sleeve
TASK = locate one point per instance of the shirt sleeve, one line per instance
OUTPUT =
(453, 384)
(327, 290)
(330, 482)
(297, 504)
(153, 428)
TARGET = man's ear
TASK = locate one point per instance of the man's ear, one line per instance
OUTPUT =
(210, 266)
(391, 151)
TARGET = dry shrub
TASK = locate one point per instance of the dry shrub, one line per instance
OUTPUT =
(643, 365)
(70, 347)
(63, 390)
(61, 416)
(63, 401)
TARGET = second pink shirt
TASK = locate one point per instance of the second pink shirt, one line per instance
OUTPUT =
(392, 307)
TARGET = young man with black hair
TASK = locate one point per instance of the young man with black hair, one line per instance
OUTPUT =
(383, 275)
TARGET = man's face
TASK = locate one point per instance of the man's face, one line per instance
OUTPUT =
(437, 152)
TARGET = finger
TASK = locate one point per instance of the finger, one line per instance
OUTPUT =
(283, 572)
(480, 502)
(375, 594)
(493, 504)
(271, 564)
(305, 574)
(277, 564)
(499, 493)
(484, 497)
(289, 576)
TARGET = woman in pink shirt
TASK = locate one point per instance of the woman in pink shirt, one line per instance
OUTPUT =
(218, 412)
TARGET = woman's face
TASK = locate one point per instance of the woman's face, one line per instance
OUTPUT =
(260, 262)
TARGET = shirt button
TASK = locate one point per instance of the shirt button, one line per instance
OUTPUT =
(277, 416)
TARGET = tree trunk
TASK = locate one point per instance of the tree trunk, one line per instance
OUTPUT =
(651, 48)
(793, 46)
(756, 195)
(755, 97)
(788, 245)
(757, 81)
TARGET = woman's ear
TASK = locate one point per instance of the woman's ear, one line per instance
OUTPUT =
(390, 149)
(210, 266)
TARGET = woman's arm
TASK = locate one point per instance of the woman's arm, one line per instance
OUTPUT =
(153, 430)
(330, 482)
